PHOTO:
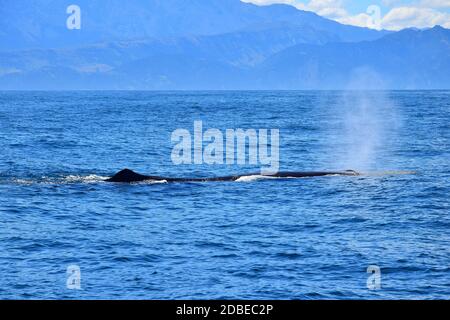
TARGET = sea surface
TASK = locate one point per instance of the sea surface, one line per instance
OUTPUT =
(311, 238)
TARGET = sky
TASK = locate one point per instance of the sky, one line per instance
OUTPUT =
(377, 14)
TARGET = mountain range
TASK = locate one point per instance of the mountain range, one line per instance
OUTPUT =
(208, 44)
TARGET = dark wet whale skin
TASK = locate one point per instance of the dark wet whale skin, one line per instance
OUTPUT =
(129, 176)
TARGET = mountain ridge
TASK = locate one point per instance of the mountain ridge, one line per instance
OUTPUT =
(274, 53)
(408, 59)
(27, 24)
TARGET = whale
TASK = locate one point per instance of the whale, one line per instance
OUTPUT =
(129, 176)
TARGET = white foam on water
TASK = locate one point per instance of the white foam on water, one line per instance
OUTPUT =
(151, 182)
(70, 179)
(253, 178)
(92, 178)
(24, 181)
(73, 179)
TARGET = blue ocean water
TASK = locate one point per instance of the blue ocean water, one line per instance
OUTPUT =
(311, 238)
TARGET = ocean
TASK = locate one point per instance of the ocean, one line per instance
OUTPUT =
(309, 238)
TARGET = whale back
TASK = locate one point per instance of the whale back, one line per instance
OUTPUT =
(127, 176)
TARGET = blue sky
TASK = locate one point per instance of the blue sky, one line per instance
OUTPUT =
(377, 14)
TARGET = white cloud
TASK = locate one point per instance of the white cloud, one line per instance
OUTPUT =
(435, 3)
(327, 8)
(267, 2)
(421, 14)
(405, 17)
(360, 20)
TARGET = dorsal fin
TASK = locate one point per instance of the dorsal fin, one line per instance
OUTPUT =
(127, 175)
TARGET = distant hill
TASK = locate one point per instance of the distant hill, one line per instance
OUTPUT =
(26, 24)
(209, 44)
(408, 59)
(143, 63)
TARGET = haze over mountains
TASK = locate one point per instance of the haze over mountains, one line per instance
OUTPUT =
(207, 44)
